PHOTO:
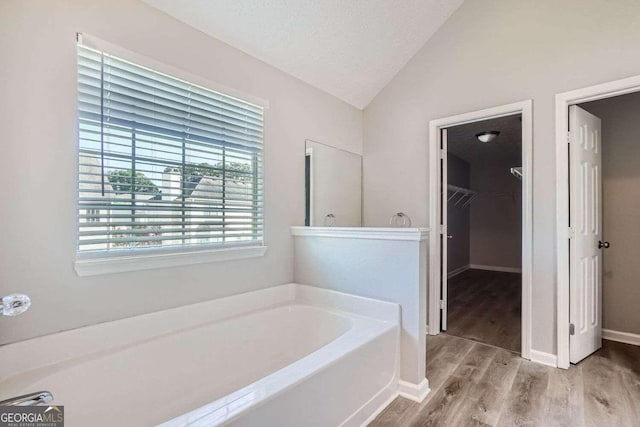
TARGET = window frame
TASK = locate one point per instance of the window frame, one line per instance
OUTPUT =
(89, 263)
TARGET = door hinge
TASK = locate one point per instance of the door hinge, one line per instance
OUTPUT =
(570, 233)
(443, 154)
(569, 137)
(442, 305)
(572, 329)
(443, 229)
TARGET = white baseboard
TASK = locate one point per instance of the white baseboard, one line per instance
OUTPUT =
(457, 271)
(415, 392)
(544, 358)
(625, 337)
(495, 268)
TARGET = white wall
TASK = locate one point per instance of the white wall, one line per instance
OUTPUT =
(620, 210)
(39, 161)
(489, 53)
(389, 270)
(336, 185)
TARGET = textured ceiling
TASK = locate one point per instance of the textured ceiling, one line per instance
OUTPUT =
(348, 48)
(507, 147)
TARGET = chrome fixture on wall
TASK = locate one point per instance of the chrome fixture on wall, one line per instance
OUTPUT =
(400, 219)
(14, 304)
(329, 220)
(29, 399)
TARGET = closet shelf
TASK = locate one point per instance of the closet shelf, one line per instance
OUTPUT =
(517, 172)
(464, 195)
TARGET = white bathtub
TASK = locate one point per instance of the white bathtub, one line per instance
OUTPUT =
(291, 355)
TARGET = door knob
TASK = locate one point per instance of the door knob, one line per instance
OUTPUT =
(449, 236)
(602, 244)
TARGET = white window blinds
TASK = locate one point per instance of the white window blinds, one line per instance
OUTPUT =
(163, 162)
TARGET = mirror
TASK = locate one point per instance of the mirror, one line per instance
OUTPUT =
(333, 186)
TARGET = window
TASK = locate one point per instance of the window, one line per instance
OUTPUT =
(164, 163)
(93, 215)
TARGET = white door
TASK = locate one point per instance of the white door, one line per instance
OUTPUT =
(585, 153)
(443, 229)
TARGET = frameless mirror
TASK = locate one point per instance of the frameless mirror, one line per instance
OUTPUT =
(333, 186)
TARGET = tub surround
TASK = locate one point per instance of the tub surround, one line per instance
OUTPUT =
(250, 359)
(388, 264)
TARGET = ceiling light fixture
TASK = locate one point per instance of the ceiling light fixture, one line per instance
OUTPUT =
(487, 136)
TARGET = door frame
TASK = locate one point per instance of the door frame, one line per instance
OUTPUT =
(525, 108)
(563, 102)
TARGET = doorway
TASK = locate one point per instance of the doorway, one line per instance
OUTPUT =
(443, 199)
(603, 191)
(482, 179)
(597, 276)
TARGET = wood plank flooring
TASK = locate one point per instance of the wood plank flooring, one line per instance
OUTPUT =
(473, 384)
(485, 306)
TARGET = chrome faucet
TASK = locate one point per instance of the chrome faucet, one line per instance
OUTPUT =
(29, 399)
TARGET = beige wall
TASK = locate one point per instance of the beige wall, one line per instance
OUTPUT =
(489, 53)
(39, 161)
(496, 215)
(458, 217)
(621, 210)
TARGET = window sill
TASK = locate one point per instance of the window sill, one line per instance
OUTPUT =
(151, 261)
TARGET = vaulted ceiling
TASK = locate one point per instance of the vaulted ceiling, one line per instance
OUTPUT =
(348, 48)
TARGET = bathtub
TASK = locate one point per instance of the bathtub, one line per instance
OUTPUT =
(291, 355)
